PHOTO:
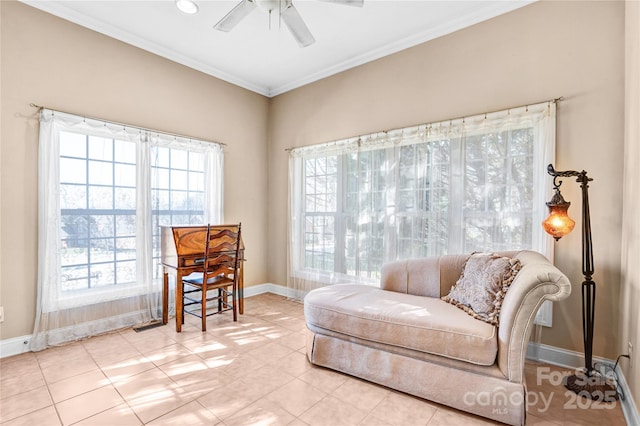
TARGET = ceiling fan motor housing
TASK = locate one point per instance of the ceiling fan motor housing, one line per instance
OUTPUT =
(269, 5)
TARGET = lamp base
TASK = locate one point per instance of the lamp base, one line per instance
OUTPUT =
(592, 386)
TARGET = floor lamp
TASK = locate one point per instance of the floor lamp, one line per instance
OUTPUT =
(590, 383)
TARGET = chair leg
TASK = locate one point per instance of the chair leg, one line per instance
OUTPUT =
(219, 300)
(203, 313)
(233, 302)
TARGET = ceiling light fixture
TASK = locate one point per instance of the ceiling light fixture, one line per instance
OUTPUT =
(187, 6)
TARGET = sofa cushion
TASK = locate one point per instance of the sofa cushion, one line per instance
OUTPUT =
(425, 324)
(483, 284)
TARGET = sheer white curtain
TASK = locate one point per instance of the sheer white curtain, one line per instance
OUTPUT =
(205, 159)
(211, 163)
(126, 290)
(457, 186)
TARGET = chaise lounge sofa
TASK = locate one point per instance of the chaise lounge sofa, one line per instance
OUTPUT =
(406, 337)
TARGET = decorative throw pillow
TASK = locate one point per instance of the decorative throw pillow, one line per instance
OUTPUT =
(483, 284)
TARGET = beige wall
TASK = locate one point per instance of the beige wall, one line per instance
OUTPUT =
(52, 62)
(542, 51)
(630, 291)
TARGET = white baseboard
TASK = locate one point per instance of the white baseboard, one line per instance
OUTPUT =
(15, 346)
(571, 359)
(272, 288)
(535, 351)
(629, 407)
(22, 344)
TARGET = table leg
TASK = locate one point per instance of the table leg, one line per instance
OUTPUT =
(165, 297)
(241, 289)
(179, 301)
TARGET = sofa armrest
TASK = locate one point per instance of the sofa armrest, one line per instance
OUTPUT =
(537, 281)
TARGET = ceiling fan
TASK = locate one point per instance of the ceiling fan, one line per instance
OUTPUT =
(287, 12)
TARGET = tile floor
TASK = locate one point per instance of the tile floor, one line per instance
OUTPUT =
(253, 372)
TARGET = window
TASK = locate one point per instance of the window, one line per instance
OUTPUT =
(321, 212)
(177, 192)
(97, 212)
(104, 192)
(475, 184)
(98, 207)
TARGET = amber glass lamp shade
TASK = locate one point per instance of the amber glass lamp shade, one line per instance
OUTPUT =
(558, 224)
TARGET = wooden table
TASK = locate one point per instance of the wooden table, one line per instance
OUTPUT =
(181, 247)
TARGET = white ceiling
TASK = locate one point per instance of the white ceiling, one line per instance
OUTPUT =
(269, 61)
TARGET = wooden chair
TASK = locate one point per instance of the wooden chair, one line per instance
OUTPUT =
(220, 271)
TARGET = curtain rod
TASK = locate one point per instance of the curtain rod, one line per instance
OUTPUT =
(555, 100)
(146, 129)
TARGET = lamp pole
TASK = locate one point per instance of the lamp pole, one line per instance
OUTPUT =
(591, 384)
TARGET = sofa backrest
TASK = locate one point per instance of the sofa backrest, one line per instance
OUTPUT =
(429, 276)
(537, 281)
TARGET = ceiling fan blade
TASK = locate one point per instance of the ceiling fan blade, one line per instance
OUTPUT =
(356, 3)
(296, 25)
(237, 14)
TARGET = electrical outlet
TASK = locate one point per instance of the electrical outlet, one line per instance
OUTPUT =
(1, 313)
(630, 351)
